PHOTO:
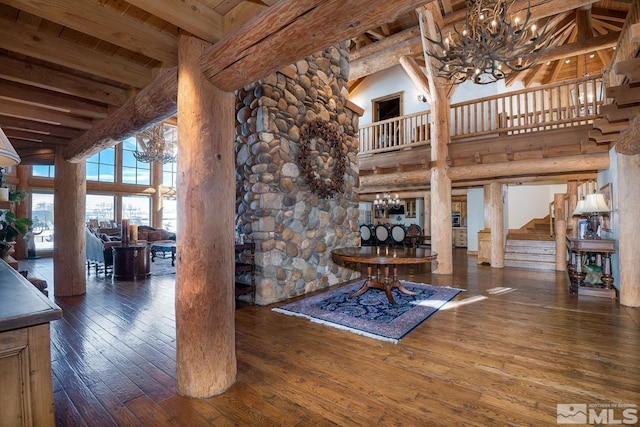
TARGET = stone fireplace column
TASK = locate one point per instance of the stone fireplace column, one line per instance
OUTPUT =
(294, 226)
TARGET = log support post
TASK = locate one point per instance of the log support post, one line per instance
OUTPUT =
(496, 212)
(157, 174)
(205, 299)
(441, 239)
(560, 231)
(629, 223)
(22, 209)
(572, 221)
(69, 253)
(426, 229)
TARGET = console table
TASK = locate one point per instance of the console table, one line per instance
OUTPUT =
(602, 250)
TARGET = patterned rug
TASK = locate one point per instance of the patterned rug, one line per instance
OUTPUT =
(371, 314)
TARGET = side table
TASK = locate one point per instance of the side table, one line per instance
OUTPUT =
(131, 262)
(602, 250)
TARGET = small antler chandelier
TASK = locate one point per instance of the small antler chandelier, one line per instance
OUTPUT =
(490, 46)
(154, 146)
(386, 202)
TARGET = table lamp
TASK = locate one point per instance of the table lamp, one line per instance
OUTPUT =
(592, 206)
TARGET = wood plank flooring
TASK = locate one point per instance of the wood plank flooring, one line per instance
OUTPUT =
(492, 358)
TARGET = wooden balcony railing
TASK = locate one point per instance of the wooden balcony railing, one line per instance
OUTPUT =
(571, 103)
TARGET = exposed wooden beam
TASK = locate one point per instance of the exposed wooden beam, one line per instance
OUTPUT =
(539, 9)
(624, 94)
(385, 59)
(410, 33)
(516, 168)
(8, 122)
(38, 114)
(390, 56)
(629, 142)
(416, 75)
(30, 95)
(151, 105)
(46, 78)
(107, 24)
(241, 14)
(580, 47)
(190, 15)
(614, 112)
(30, 42)
(22, 135)
(630, 68)
(315, 24)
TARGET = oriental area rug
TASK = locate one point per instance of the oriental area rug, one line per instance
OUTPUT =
(371, 314)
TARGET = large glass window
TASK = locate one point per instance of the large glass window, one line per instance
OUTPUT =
(100, 207)
(42, 219)
(102, 166)
(44, 171)
(137, 209)
(133, 171)
(169, 214)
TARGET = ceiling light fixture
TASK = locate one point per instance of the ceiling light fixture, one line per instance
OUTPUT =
(154, 146)
(490, 46)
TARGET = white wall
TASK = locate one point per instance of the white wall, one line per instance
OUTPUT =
(526, 202)
(475, 216)
(384, 83)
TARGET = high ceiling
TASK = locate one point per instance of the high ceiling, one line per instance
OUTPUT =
(66, 65)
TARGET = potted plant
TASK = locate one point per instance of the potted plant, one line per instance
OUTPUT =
(10, 227)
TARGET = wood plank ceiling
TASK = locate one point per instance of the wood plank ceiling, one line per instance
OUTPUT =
(66, 65)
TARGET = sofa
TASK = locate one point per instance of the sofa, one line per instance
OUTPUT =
(155, 235)
(99, 254)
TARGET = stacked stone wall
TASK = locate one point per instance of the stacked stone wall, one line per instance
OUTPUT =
(293, 228)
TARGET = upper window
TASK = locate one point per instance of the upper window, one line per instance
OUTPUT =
(133, 171)
(44, 171)
(137, 209)
(102, 166)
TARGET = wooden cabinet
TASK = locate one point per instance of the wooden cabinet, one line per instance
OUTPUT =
(25, 352)
(245, 270)
(484, 246)
(410, 209)
(459, 237)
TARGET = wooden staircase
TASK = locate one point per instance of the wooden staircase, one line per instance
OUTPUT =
(531, 246)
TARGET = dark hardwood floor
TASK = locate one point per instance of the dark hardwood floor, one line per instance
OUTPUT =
(493, 358)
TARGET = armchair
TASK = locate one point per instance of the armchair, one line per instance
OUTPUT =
(99, 254)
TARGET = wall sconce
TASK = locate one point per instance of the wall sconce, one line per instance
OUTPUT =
(422, 98)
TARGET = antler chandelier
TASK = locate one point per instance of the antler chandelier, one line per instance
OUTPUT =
(490, 46)
(154, 146)
(386, 202)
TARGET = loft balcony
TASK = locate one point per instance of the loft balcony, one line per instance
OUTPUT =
(560, 120)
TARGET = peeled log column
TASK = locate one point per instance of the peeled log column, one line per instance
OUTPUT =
(560, 229)
(497, 225)
(629, 222)
(205, 295)
(69, 246)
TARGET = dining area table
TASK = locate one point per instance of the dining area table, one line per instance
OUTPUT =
(386, 259)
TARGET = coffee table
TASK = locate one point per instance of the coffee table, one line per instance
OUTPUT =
(160, 250)
(385, 257)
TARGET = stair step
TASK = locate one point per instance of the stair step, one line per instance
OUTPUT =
(533, 250)
(530, 265)
(519, 235)
(514, 256)
(531, 242)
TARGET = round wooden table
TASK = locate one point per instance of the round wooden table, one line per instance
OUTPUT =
(383, 256)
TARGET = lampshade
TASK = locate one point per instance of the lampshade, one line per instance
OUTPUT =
(580, 207)
(595, 203)
(8, 155)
